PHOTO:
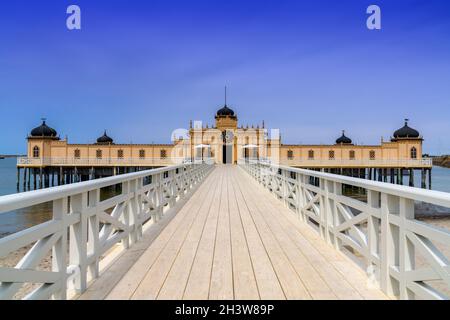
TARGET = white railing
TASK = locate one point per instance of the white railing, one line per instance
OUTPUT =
(358, 163)
(407, 258)
(62, 161)
(84, 227)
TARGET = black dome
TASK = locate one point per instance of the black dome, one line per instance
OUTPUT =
(343, 139)
(105, 139)
(43, 131)
(406, 132)
(225, 111)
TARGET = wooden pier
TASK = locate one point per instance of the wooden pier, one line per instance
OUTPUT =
(234, 240)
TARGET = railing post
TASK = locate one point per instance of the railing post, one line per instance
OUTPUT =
(59, 250)
(373, 234)
(93, 246)
(160, 196)
(337, 189)
(389, 243)
(134, 210)
(78, 240)
(327, 205)
(126, 189)
(406, 248)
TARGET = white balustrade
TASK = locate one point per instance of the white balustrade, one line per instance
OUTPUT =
(63, 161)
(355, 163)
(84, 227)
(380, 232)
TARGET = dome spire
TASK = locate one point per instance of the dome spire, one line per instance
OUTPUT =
(225, 95)
(44, 131)
(343, 139)
(406, 132)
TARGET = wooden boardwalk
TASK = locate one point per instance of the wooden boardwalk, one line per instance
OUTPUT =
(234, 240)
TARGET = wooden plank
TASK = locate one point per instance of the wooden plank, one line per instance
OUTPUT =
(197, 287)
(151, 284)
(175, 283)
(244, 281)
(221, 287)
(290, 282)
(312, 280)
(331, 264)
(128, 284)
(269, 286)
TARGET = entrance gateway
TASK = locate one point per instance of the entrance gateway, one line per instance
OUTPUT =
(227, 148)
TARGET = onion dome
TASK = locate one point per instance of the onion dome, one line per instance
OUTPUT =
(43, 131)
(343, 139)
(225, 111)
(105, 139)
(406, 132)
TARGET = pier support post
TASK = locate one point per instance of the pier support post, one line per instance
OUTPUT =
(34, 179)
(40, 178)
(60, 176)
(24, 179)
(18, 179)
(29, 179)
(423, 179)
(411, 177)
(429, 178)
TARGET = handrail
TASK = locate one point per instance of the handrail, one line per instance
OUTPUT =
(380, 232)
(94, 226)
(358, 162)
(54, 161)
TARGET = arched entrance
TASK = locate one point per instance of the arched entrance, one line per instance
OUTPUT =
(227, 148)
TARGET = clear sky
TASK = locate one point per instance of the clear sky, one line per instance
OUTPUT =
(141, 69)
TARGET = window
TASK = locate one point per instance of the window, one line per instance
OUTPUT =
(163, 154)
(142, 154)
(351, 155)
(372, 155)
(98, 154)
(413, 153)
(331, 154)
(310, 154)
(120, 154)
(76, 153)
(290, 154)
(36, 152)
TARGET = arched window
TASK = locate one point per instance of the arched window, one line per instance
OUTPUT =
(142, 154)
(98, 154)
(372, 155)
(290, 154)
(120, 154)
(36, 152)
(413, 153)
(351, 154)
(76, 154)
(331, 154)
(311, 154)
(163, 154)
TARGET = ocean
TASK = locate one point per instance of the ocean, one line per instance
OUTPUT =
(15, 221)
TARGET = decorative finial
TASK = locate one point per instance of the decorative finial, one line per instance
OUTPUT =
(225, 95)
(104, 133)
(190, 124)
(43, 120)
(263, 124)
(343, 132)
(406, 121)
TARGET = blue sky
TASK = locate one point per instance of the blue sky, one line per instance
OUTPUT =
(141, 69)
